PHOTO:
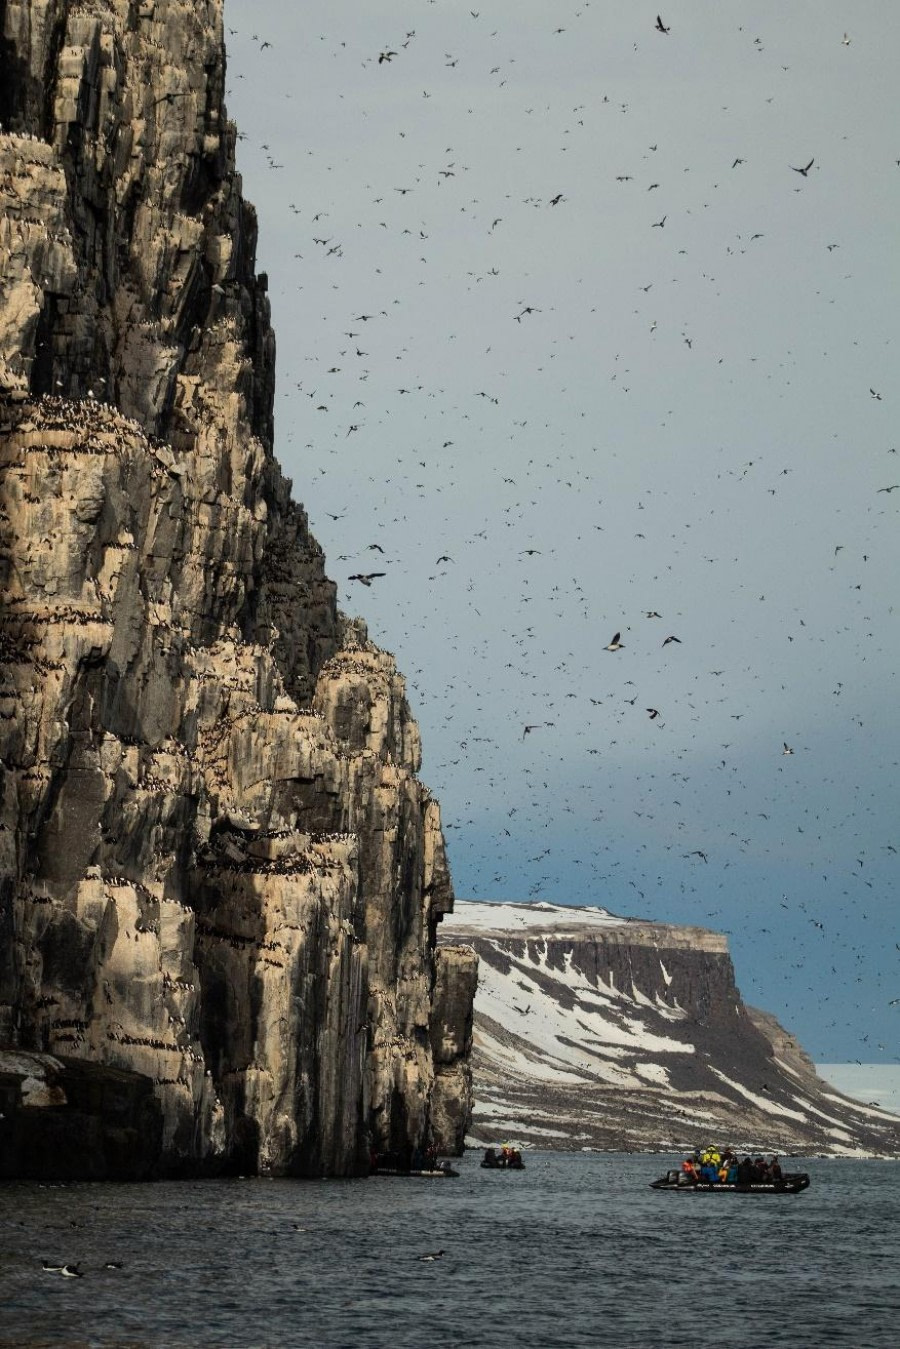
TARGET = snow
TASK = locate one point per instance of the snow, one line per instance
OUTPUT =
(474, 916)
(762, 1102)
(565, 1039)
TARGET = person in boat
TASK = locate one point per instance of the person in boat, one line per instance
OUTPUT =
(689, 1169)
(775, 1169)
(760, 1171)
(745, 1172)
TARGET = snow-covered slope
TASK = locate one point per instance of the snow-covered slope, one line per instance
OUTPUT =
(598, 1031)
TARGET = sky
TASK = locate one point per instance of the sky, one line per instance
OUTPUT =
(587, 329)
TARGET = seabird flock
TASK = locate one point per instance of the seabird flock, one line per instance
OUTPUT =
(596, 415)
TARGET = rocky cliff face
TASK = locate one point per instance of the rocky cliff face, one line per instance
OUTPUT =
(219, 869)
(593, 1031)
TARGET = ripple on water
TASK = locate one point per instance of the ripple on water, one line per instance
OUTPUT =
(575, 1250)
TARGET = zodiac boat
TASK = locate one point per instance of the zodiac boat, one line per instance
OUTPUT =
(790, 1183)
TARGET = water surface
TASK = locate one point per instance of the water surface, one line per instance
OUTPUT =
(575, 1250)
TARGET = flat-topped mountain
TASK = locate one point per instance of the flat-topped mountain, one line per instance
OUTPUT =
(593, 1030)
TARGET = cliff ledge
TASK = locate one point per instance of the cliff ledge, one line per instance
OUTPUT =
(220, 877)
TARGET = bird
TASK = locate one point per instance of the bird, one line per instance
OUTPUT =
(698, 852)
(385, 56)
(431, 1255)
(67, 1271)
(660, 26)
(651, 613)
(366, 577)
(672, 638)
(875, 395)
(787, 749)
(652, 713)
(805, 171)
(615, 644)
(658, 224)
(893, 487)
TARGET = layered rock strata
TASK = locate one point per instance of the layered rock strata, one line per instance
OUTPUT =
(593, 1031)
(218, 867)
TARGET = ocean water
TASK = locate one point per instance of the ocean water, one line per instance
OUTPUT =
(574, 1250)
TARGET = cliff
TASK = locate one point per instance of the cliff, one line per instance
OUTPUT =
(219, 872)
(593, 1031)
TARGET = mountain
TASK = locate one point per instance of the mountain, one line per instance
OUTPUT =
(594, 1031)
(220, 875)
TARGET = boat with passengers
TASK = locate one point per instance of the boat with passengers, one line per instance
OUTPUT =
(721, 1171)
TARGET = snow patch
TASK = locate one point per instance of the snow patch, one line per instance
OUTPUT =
(762, 1102)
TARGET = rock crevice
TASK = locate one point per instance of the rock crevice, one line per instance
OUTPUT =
(219, 871)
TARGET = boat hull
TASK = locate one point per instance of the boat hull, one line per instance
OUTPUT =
(440, 1173)
(789, 1184)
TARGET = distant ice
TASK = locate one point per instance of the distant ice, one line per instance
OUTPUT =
(876, 1084)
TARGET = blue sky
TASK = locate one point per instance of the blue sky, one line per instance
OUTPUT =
(619, 357)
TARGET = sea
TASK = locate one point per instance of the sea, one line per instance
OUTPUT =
(574, 1250)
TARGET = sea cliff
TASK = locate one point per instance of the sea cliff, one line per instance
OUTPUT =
(594, 1031)
(220, 875)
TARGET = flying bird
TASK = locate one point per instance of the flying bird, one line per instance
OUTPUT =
(366, 577)
(615, 644)
(787, 749)
(672, 638)
(805, 171)
(660, 26)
